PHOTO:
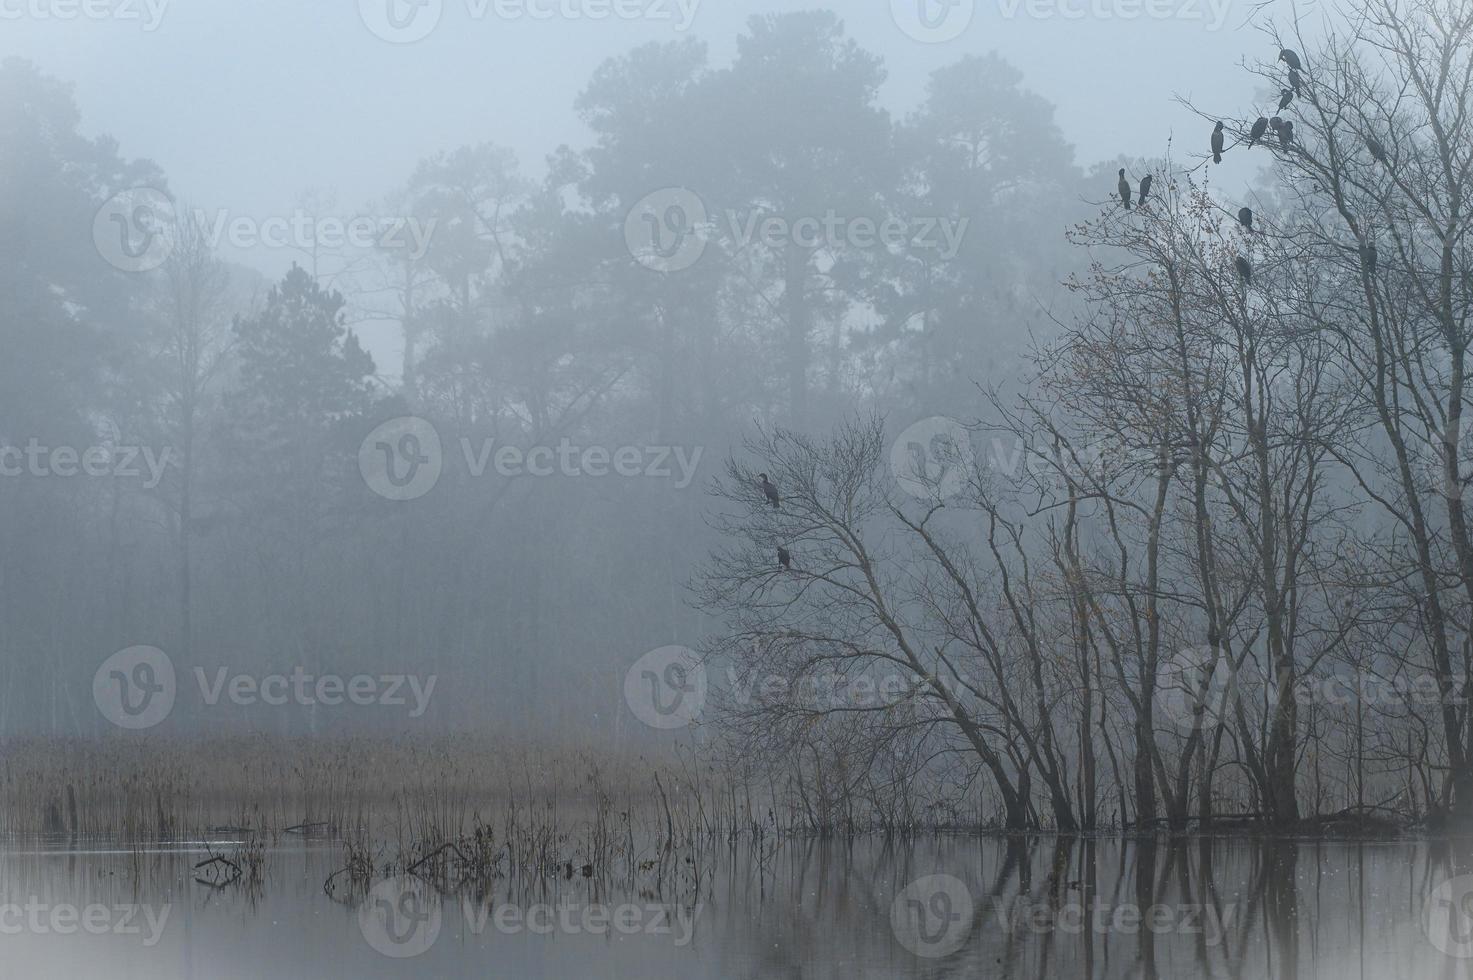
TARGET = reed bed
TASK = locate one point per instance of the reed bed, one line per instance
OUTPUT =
(465, 814)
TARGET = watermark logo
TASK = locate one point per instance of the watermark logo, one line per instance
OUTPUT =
(666, 688)
(149, 13)
(39, 918)
(1431, 458)
(309, 690)
(1074, 917)
(666, 231)
(1196, 689)
(933, 21)
(134, 230)
(583, 918)
(932, 459)
(832, 690)
(108, 458)
(1447, 918)
(135, 688)
(400, 21)
(407, 21)
(401, 459)
(304, 230)
(400, 917)
(1213, 12)
(932, 916)
(137, 230)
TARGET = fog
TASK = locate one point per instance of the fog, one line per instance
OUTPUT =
(462, 446)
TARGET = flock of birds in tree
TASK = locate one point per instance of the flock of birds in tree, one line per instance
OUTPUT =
(1284, 130)
(784, 556)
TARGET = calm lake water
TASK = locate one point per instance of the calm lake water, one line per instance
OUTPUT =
(954, 906)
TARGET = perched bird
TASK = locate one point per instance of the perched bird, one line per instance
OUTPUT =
(1285, 97)
(1377, 150)
(1217, 143)
(1294, 80)
(1275, 123)
(1244, 269)
(1260, 126)
(1145, 189)
(1124, 187)
(1290, 57)
(1286, 134)
(1368, 254)
(784, 557)
(770, 491)
(1245, 218)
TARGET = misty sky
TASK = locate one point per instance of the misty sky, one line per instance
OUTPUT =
(246, 104)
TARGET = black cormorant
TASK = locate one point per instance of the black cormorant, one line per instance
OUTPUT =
(1377, 150)
(770, 491)
(1244, 269)
(1290, 57)
(1285, 97)
(1245, 218)
(1145, 189)
(1217, 143)
(784, 557)
(1260, 126)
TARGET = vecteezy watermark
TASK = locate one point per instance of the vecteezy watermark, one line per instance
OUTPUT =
(404, 458)
(1351, 687)
(932, 459)
(668, 231)
(1196, 689)
(1071, 916)
(401, 459)
(402, 917)
(1212, 12)
(939, 21)
(933, 21)
(329, 690)
(303, 230)
(39, 918)
(407, 21)
(666, 688)
(137, 688)
(1447, 918)
(148, 13)
(37, 460)
(932, 916)
(833, 690)
(136, 230)
(1432, 461)
(585, 918)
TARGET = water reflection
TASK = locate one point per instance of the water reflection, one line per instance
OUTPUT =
(948, 906)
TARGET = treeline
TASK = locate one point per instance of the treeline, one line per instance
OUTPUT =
(532, 316)
(1226, 576)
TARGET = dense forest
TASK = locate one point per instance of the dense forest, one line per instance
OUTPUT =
(982, 482)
